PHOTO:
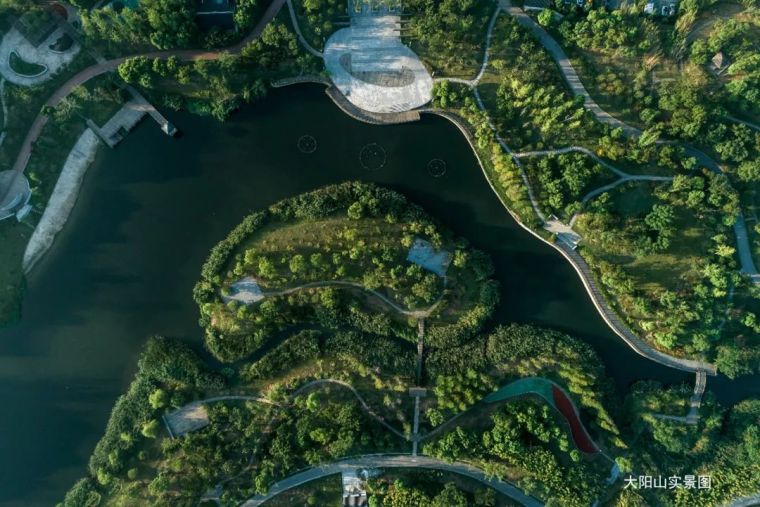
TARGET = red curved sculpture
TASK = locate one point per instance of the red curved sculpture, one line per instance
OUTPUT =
(580, 437)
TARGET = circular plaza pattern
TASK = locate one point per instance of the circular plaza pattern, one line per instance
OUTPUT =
(307, 144)
(372, 157)
(436, 168)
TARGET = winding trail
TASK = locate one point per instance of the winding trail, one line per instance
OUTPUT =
(749, 124)
(418, 314)
(111, 65)
(568, 72)
(358, 396)
(2, 101)
(392, 461)
(294, 20)
(745, 501)
(584, 271)
(631, 177)
(5, 112)
(570, 149)
(576, 86)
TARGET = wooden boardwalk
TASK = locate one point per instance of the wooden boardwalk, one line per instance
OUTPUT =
(113, 132)
(142, 104)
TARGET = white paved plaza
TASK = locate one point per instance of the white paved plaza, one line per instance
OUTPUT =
(376, 72)
(52, 61)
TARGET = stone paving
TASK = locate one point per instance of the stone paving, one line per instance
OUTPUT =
(375, 71)
(53, 61)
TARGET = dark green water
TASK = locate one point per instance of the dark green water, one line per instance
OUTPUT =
(149, 211)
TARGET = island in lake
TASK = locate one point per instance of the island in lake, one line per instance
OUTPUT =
(489, 252)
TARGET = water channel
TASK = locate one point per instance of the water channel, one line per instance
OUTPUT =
(150, 210)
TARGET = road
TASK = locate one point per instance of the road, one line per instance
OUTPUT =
(392, 461)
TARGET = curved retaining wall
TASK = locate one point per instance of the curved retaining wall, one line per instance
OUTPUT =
(555, 396)
(63, 198)
(584, 272)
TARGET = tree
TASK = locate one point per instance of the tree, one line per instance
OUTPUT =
(545, 17)
(485, 497)
(150, 429)
(172, 22)
(355, 211)
(450, 496)
(399, 495)
(82, 494)
(297, 264)
(134, 68)
(749, 171)
(158, 399)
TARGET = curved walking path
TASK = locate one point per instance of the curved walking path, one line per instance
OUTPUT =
(546, 390)
(392, 461)
(5, 112)
(624, 179)
(297, 28)
(745, 501)
(749, 124)
(419, 314)
(582, 268)
(111, 65)
(319, 382)
(570, 149)
(232, 397)
(2, 101)
(358, 396)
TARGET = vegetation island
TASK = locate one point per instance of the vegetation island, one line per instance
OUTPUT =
(313, 373)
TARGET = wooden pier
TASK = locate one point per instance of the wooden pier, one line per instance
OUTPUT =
(143, 104)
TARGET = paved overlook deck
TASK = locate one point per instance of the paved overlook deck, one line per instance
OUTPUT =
(372, 68)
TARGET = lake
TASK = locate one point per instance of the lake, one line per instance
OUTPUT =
(149, 212)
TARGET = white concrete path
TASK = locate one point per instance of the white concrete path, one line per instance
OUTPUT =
(392, 461)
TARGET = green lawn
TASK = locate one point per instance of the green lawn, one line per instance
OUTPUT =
(21, 66)
(664, 270)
